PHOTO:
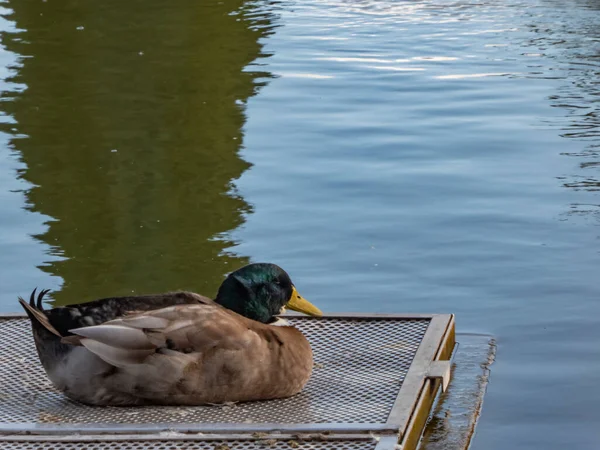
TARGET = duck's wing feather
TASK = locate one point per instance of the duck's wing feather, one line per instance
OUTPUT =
(185, 354)
(101, 311)
(183, 328)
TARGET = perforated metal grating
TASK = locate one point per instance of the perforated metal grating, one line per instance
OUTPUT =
(360, 365)
(192, 445)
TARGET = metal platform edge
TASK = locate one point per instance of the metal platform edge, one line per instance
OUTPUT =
(402, 430)
(419, 390)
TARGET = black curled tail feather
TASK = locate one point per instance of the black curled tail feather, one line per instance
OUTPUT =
(31, 298)
(40, 305)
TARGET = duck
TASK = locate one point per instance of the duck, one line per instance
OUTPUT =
(178, 348)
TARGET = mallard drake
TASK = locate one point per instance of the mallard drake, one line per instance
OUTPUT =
(178, 348)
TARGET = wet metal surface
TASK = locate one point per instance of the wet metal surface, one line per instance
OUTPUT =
(454, 418)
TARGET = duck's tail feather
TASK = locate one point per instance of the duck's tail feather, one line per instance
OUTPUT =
(47, 339)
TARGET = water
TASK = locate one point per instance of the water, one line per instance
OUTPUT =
(392, 156)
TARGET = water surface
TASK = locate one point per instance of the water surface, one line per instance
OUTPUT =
(392, 156)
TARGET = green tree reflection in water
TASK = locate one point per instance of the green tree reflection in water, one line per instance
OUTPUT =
(130, 126)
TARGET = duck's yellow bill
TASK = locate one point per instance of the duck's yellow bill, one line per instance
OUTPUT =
(298, 303)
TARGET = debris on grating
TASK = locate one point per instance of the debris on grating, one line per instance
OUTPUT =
(224, 404)
(374, 437)
(259, 435)
(46, 417)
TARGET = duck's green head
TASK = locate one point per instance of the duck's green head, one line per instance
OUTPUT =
(261, 291)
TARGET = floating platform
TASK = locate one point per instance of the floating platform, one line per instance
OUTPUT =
(373, 386)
